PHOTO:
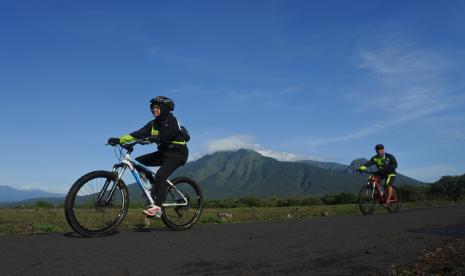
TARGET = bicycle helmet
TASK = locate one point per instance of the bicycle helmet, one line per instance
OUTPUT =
(164, 101)
(378, 147)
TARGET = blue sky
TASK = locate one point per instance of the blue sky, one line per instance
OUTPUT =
(323, 80)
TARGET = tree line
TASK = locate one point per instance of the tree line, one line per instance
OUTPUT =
(448, 188)
(451, 188)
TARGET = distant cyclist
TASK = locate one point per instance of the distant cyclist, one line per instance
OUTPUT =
(172, 148)
(386, 164)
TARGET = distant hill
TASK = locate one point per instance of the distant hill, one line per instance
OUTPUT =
(246, 172)
(9, 194)
(333, 166)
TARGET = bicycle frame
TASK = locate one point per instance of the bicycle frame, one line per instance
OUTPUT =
(129, 163)
(374, 181)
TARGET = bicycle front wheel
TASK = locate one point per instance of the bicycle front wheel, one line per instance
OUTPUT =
(92, 209)
(366, 199)
(183, 204)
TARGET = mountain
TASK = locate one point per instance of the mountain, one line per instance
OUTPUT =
(248, 173)
(333, 166)
(9, 194)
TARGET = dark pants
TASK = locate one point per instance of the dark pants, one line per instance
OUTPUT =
(168, 163)
(390, 177)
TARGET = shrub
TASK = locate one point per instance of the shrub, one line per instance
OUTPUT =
(341, 198)
(249, 201)
(44, 205)
(311, 201)
(270, 202)
(287, 202)
(411, 193)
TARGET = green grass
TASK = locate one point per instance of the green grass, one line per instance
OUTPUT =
(52, 220)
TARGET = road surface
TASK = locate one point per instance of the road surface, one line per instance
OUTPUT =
(343, 245)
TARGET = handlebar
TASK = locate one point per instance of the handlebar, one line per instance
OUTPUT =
(130, 146)
(367, 172)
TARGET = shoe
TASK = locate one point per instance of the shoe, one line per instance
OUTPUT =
(153, 211)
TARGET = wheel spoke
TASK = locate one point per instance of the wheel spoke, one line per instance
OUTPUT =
(183, 205)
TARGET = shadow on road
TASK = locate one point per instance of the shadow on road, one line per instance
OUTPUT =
(75, 235)
(457, 230)
(148, 230)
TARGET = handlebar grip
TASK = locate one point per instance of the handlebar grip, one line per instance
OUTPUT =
(127, 146)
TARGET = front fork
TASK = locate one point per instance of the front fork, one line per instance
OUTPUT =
(382, 196)
(119, 173)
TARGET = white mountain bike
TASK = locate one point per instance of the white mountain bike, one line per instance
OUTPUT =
(98, 202)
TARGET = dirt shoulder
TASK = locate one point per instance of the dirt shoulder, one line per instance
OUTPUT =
(445, 260)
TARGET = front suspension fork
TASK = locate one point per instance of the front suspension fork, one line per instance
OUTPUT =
(118, 174)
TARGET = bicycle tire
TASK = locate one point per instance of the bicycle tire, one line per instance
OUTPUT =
(395, 205)
(197, 204)
(73, 198)
(366, 199)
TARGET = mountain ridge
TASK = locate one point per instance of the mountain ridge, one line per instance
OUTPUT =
(245, 172)
(10, 194)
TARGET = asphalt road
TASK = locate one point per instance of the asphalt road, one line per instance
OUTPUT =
(341, 245)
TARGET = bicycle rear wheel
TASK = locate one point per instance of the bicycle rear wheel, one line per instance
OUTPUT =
(395, 201)
(88, 215)
(366, 199)
(183, 204)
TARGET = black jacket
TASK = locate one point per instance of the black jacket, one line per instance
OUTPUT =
(167, 131)
(386, 164)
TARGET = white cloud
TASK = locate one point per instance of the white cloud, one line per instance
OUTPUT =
(285, 156)
(185, 89)
(249, 96)
(401, 61)
(267, 96)
(237, 142)
(409, 83)
(455, 134)
(291, 90)
(42, 187)
(231, 143)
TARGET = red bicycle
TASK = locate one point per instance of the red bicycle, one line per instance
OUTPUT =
(374, 192)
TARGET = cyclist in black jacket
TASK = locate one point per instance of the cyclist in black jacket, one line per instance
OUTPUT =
(386, 164)
(172, 148)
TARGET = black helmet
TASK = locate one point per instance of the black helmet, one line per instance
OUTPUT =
(164, 101)
(378, 147)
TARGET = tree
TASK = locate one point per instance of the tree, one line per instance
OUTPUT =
(413, 193)
(44, 204)
(249, 201)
